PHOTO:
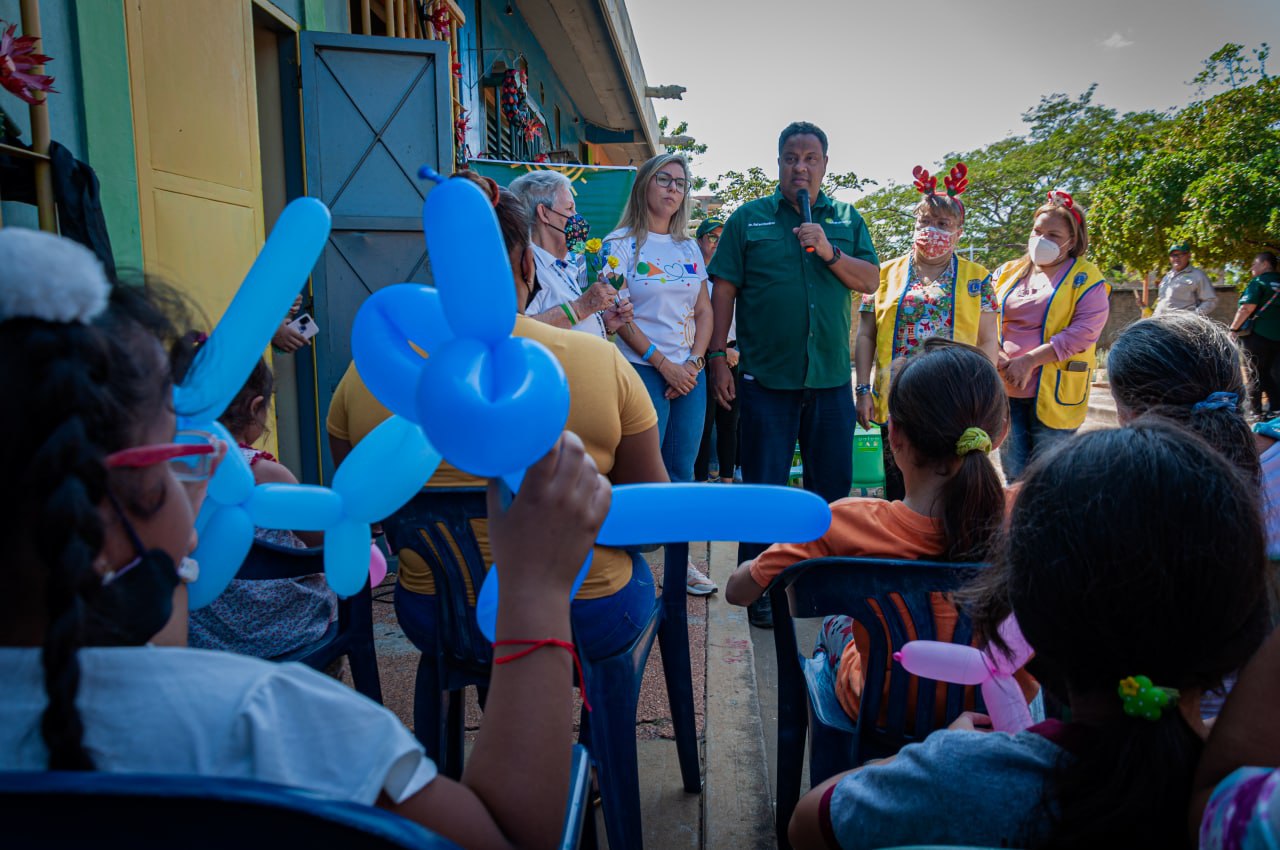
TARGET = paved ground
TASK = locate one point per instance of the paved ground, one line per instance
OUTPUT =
(734, 673)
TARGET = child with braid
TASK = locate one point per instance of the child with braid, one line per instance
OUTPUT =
(1136, 617)
(94, 521)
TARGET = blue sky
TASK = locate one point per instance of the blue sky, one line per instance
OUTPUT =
(895, 84)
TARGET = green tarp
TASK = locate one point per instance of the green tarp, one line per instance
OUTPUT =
(600, 191)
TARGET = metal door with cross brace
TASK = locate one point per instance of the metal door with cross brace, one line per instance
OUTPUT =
(374, 109)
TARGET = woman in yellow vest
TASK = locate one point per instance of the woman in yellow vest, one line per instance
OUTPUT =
(1053, 307)
(927, 292)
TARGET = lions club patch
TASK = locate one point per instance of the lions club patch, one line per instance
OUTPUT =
(975, 286)
(1079, 280)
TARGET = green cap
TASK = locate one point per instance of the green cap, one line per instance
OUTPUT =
(708, 225)
(1184, 247)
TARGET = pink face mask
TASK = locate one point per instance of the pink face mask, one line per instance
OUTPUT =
(934, 243)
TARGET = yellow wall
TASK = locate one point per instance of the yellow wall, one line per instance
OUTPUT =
(195, 117)
(191, 70)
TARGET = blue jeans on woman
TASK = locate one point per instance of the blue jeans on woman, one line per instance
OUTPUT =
(1028, 438)
(679, 421)
(601, 627)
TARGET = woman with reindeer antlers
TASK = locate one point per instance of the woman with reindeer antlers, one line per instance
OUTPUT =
(929, 291)
(1053, 307)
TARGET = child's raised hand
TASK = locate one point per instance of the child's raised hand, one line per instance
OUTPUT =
(971, 721)
(542, 539)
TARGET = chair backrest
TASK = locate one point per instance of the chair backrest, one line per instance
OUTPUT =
(865, 589)
(437, 525)
(59, 809)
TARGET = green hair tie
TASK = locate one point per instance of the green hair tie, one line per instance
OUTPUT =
(1143, 699)
(973, 440)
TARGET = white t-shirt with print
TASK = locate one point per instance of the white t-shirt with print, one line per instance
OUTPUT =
(663, 285)
(195, 711)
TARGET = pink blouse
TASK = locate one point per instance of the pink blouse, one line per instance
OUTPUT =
(1023, 324)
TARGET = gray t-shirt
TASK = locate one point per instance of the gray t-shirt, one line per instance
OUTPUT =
(966, 788)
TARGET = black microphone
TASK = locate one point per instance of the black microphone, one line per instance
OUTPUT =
(802, 197)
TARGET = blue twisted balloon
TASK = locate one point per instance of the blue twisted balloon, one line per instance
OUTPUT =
(382, 472)
(494, 404)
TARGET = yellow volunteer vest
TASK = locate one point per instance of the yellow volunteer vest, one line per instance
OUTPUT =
(1062, 394)
(966, 308)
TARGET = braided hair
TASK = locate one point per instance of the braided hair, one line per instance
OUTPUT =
(78, 391)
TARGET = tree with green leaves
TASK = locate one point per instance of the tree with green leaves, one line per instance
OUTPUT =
(1208, 174)
(735, 188)
(1008, 180)
(690, 150)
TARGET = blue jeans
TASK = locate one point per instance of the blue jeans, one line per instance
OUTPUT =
(679, 421)
(1028, 438)
(601, 627)
(770, 424)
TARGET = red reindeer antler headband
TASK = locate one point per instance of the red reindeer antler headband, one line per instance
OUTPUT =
(1062, 199)
(956, 182)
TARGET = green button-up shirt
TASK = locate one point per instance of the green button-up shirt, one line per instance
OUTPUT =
(793, 313)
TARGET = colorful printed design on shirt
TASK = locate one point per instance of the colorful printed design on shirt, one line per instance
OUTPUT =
(928, 309)
(689, 326)
(686, 273)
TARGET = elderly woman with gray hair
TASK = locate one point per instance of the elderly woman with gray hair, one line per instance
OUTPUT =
(561, 296)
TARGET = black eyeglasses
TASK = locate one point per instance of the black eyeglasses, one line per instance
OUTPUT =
(666, 181)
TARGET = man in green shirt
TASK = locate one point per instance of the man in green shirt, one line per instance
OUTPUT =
(792, 283)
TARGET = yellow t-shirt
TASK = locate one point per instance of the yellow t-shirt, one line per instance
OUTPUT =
(607, 401)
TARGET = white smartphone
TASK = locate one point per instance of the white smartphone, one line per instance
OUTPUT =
(305, 325)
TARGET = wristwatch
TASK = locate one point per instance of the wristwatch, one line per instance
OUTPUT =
(698, 362)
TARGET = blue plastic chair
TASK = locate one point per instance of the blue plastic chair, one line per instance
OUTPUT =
(826, 586)
(351, 634)
(66, 809)
(436, 525)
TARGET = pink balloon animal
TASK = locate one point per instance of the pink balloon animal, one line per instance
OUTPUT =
(988, 668)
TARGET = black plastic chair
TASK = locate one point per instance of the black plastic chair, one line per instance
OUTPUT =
(826, 586)
(351, 634)
(436, 525)
(64, 809)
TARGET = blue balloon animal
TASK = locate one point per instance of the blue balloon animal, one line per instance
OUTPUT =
(382, 473)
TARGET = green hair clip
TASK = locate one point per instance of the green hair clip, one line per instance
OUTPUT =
(1143, 699)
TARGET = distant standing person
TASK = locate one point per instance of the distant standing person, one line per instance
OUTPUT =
(1262, 342)
(721, 421)
(1053, 307)
(561, 298)
(1185, 287)
(791, 282)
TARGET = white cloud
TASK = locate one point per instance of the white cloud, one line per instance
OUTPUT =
(1116, 40)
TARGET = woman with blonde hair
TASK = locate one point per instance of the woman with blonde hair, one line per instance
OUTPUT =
(1053, 307)
(666, 281)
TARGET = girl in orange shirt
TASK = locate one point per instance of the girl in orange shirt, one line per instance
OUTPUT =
(947, 412)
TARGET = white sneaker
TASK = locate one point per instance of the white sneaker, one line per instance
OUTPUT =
(697, 583)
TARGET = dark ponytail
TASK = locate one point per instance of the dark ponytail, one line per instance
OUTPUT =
(1175, 595)
(77, 392)
(936, 396)
(1172, 366)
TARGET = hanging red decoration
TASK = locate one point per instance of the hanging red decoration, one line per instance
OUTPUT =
(17, 57)
(456, 68)
(442, 21)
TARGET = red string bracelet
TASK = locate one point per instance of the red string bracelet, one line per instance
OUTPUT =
(534, 646)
